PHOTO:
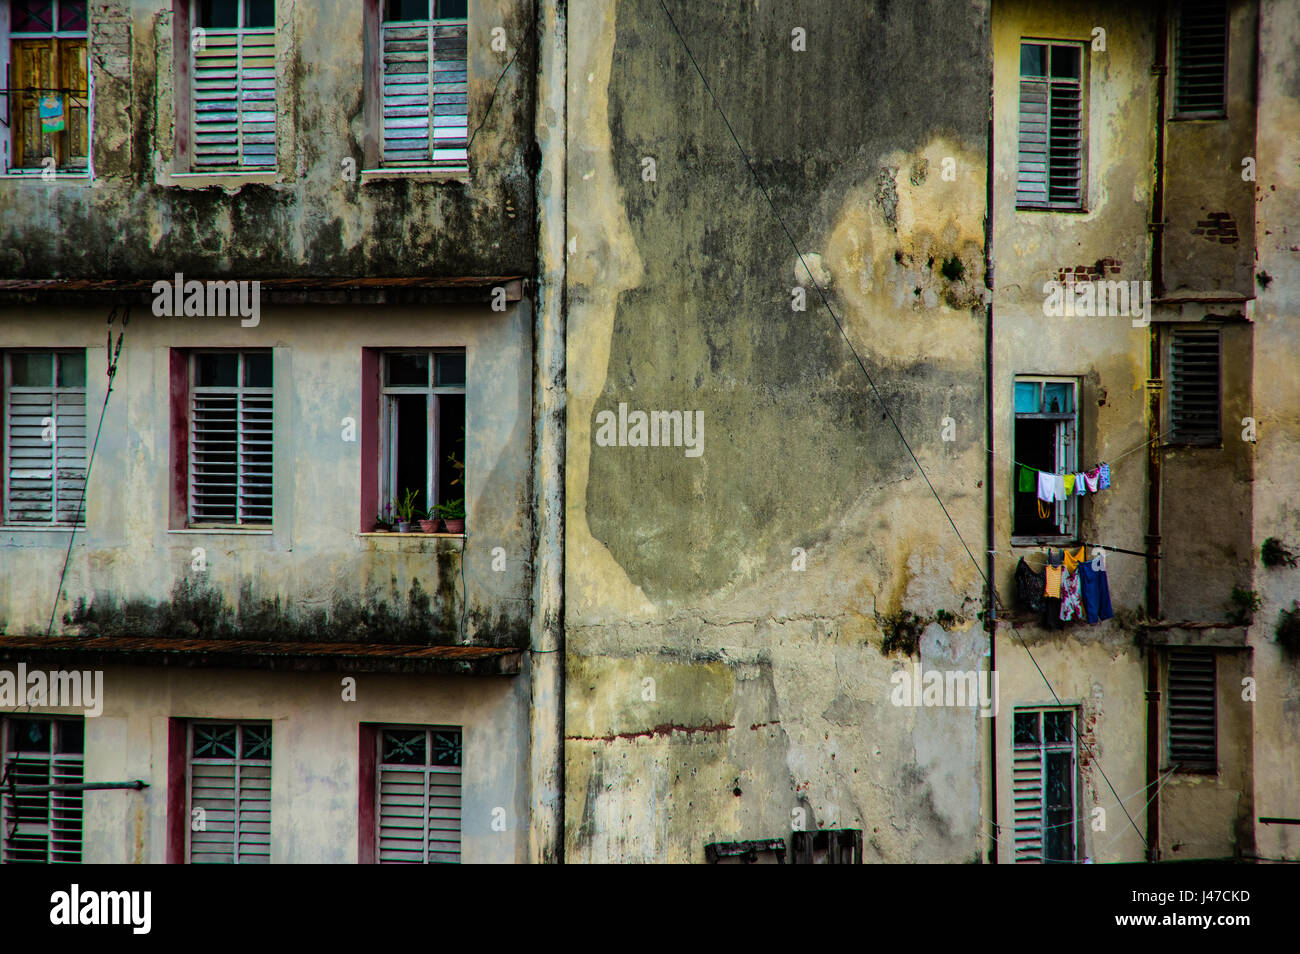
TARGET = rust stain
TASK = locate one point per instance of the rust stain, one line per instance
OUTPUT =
(665, 728)
(760, 725)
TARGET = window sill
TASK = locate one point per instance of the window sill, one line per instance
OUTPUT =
(236, 531)
(230, 181)
(429, 174)
(1044, 542)
(424, 536)
(81, 178)
(63, 528)
(1073, 209)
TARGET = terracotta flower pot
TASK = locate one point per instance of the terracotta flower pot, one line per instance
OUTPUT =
(455, 525)
(429, 526)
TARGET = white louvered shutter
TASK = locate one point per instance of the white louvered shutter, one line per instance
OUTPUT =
(1031, 182)
(234, 795)
(425, 93)
(44, 828)
(233, 100)
(231, 454)
(45, 454)
(1027, 802)
(419, 805)
(1192, 742)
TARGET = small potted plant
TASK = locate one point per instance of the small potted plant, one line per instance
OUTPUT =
(384, 521)
(453, 515)
(428, 521)
(406, 510)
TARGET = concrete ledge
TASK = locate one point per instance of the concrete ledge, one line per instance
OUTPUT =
(1191, 635)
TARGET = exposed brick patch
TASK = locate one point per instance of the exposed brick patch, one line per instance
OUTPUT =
(1086, 273)
(1219, 226)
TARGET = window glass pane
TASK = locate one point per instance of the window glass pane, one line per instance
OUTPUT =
(29, 735)
(1057, 727)
(452, 9)
(408, 370)
(32, 16)
(1026, 728)
(216, 370)
(451, 369)
(72, 370)
(1065, 62)
(214, 741)
(406, 10)
(1027, 397)
(257, 369)
(255, 742)
(404, 747)
(1033, 59)
(219, 14)
(72, 15)
(72, 736)
(32, 370)
(259, 13)
(1057, 400)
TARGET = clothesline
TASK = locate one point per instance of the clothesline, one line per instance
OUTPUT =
(1132, 450)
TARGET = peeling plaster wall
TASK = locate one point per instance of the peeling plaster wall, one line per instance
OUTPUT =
(314, 765)
(313, 576)
(135, 220)
(714, 692)
(1276, 512)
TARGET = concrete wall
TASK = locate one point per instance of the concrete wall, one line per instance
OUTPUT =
(315, 748)
(136, 219)
(1277, 409)
(718, 689)
(313, 576)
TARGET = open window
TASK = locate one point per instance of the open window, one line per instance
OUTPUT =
(1044, 785)
(47, 109)
(1045, 439)
(1050, 156)
(422, 427)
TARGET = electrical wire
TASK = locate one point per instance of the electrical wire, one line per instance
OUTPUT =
(992, 590)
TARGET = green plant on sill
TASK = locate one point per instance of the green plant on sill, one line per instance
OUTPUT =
(457, 465)
(451, 510)
(1243, 605)
(405, 507)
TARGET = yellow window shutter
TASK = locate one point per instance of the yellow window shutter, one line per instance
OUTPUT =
(33, 62)
(72, 68)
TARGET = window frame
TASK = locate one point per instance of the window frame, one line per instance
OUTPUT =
(388, 489)
(1183, 439)
(1082, 85)
(375, 159)
(1177, 112)
(185, 13)
(1019, 761)
(1067, 441)
(192, 392)
(7, 389)
(239, 761)
(428, 770)
(10, 136)
(74, 801)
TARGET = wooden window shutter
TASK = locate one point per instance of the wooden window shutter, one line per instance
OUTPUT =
(231, 454)
(230, 781)
(33, 75)
(1027, 803)
(1192, 710)
(45, 454)
(1031, 183)
(1049, 161)
(42, 828)
(75, 80)
(418, 812)
(233, 100)
(1194, 399)
(425, 92)
(1201, 60)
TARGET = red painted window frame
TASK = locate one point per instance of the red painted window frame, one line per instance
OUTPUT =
(368, 739)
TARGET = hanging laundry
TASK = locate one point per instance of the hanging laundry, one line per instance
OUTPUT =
(1096, 592)
(1072, 560)
(1046, 485)
(1044, 511)
(1029, 587)
(1058, 487)
(1069, 484)
(1093, 480)
(1104, 472)
(1052, 582)
(1071, 598)
(1079, 486)
(1052, 604)
(1028, 480)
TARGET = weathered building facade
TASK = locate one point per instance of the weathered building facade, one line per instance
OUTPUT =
(745, 337)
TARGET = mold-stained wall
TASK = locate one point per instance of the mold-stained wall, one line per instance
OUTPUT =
(1276, 514)
(725, 610)
(313, 576)
(137, 218)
